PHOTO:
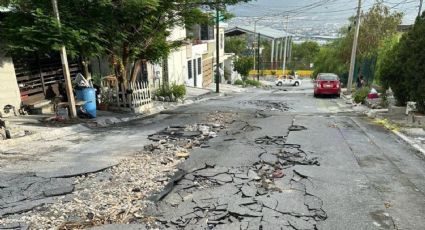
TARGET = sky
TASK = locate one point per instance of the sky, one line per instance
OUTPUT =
(316, 11)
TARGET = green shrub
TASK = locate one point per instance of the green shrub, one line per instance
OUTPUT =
(253, 83)
(179, 91)
(384, 98)
(361, 94)
(238, 82)
(163, 91)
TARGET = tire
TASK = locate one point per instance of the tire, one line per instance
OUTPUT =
(296, 83)
(338, 95)
(279, 84)
(315, 95)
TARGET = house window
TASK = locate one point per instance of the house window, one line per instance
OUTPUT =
(199, 65)
(144, 72)
(207, 32)
(221, 41)
(165, 70)
(189, 69)
(194, 67)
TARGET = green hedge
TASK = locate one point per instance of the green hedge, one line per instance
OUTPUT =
(361, 94)
(179, 91)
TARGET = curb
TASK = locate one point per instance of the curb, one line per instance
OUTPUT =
(405, 138)
(410, 142)
(401, 136)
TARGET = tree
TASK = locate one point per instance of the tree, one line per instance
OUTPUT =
(236, 45)
(128, 31)
(390, 71)
(266, 53)
(243, 65)
(377, 24)
(411, 56)
(30, 29)
(386, 59)
(303, 54)
(328, 60)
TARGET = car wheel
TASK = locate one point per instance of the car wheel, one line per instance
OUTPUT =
(315, 95)
(296, 83)
(338, 95)
(279, 84)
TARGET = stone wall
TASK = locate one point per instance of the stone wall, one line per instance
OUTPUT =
(9, 91)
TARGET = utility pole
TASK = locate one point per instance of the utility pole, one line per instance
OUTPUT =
(354, 51)
(286, 46)
(420, 8)
(253, 41)
(258, 59)
(65, 68)
(217, 48)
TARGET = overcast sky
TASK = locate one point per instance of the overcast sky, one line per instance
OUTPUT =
(332, 11)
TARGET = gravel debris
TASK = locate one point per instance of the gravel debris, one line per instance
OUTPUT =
(120, 194)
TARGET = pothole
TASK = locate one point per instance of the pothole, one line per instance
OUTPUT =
(268, 105)
(267, 193)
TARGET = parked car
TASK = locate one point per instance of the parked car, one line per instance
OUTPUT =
(288, 80)
(327, 84)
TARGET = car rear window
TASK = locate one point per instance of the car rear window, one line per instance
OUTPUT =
(328, 77)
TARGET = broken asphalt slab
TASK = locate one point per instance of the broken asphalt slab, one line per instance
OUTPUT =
(225, 194)
(23, 192)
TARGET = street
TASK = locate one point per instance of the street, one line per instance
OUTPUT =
(277, 159)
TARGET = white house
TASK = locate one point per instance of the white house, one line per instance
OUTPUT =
(195, 54)
(175, 68)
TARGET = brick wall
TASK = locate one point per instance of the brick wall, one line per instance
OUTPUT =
(9, 91)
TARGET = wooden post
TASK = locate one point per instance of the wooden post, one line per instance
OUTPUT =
(65, 67)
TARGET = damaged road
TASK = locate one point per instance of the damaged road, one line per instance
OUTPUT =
(256, 160)
(265, 194)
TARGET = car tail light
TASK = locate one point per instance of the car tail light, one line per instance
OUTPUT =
(318, 84)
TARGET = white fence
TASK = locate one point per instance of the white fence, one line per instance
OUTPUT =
(137, 98)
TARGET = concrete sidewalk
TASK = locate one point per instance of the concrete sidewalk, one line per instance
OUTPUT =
(60, 139)
(398, 124)
(36, 128)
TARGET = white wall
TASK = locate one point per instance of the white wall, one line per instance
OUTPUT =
(229, 67)
(221, 42)
(177, 66)
(9, 91)
(177, 33)
(196, 52)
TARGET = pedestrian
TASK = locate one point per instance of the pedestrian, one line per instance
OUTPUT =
(360, 82)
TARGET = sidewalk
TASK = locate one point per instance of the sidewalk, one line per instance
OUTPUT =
(396, 123)
(36, 128)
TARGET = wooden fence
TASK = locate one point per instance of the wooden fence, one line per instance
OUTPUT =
(137, 98)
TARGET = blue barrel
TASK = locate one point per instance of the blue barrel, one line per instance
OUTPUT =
(89, 96)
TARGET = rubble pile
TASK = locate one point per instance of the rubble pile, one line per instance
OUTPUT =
(182, 138)
(267, 105)
(116, 195)
(269, 194)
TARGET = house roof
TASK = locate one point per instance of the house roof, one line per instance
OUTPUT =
(266, 32)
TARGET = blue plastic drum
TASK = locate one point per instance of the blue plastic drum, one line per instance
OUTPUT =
(89, 96)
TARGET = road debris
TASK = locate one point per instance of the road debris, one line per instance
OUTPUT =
(115, 195)
(267, 105)
(253, 197)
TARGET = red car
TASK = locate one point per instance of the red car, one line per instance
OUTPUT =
(327, 84)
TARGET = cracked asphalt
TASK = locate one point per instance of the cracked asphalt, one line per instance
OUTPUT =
(285, 161)
(290, 161)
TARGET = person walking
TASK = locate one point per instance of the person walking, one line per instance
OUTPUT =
(360, 82)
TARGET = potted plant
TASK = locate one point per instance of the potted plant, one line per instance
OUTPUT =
(104, 101)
